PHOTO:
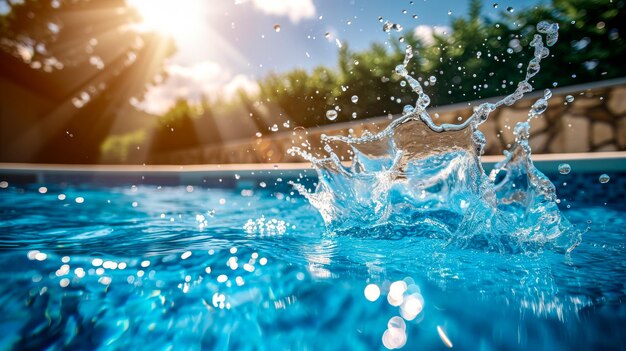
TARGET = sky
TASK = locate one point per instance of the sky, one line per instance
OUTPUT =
(224, 45)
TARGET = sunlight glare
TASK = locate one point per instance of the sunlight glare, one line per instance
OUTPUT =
(174, 18)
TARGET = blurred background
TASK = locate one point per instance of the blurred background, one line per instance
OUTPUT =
(241, 81)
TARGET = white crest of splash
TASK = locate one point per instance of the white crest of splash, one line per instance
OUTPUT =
(416, 173)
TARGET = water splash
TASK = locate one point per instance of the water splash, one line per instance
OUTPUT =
(428, 178)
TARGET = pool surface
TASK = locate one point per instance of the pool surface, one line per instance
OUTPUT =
(251, 267)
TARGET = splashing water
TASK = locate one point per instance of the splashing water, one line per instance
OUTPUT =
(419, 177)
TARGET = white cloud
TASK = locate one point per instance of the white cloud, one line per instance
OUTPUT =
(241, 82)
(193, 82)
(425, 33)
(294, 9)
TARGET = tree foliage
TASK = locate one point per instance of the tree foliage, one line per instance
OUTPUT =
(84, 64)
(479, 57)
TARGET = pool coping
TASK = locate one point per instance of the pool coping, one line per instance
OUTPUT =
(598, 162)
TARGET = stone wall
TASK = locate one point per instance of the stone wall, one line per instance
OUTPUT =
(595, 120)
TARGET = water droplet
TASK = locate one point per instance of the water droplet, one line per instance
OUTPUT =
(547, 94)
(495, 5)
(432, 79)
(414, 16)
(354, 115)
(407, 109)
(449, 12)
(354, 99)
(564, 168)
(277, 27)
(274, 128)
(401, 70)
(380, 19)
(604, 178)
(402, 83)
(510, 9)
(387, 26)
(539, 107)
(327, 35)
(331, 115)
(569, 98)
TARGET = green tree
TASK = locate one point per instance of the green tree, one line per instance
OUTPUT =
(176, 129)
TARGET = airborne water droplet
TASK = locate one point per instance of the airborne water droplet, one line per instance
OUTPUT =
(495, 5)
(564, 168)
(331, 115)
(387, 26)
(401, 70)
(510, 9)
(354, 115)
(569, 98)
(277, 27)
(354, 99)
(604, 178)
(539, 107)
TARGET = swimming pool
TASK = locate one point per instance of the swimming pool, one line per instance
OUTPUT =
(238, 260)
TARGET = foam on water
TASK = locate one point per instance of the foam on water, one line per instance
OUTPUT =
(417, 174)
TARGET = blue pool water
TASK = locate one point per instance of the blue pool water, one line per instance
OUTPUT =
(254, 268)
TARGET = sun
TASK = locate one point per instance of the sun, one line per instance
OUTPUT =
(179, 19)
